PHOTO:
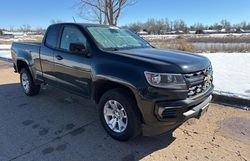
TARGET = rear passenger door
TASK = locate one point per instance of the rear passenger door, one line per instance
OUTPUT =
(73, 70)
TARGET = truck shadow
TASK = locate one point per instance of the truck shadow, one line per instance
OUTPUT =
(56, 117)
(144, 146)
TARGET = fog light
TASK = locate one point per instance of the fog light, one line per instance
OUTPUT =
(167, 112)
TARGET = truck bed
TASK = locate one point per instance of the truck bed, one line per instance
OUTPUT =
(31, 43)
(33, 46)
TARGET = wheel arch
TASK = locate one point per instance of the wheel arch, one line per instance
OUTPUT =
(103, 86)
(20, 63)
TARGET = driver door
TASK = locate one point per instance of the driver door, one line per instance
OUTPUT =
(72, 70)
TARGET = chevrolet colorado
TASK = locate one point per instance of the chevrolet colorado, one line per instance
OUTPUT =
(139, 89)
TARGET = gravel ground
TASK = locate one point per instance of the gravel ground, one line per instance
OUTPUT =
(59, 126)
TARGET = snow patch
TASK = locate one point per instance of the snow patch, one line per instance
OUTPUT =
(5, 47)
(6, 54)
(231, 74)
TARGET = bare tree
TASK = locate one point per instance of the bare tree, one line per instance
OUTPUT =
(40, 30)
(225, 24)
(197, 26)
(179, 25)
(11, 28)
(136, 27)
(151, 26)
(217, 26)
(25, 28)
(103, 11)
(167, 25)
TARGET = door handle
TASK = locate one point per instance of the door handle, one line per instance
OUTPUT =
(58, 57)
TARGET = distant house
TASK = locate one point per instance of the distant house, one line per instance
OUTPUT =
(239, 30)
(142, 32)
(210, 31)
(233, 30)
(179, 32)
(223, 30)
(16, 34)
(199, 31)
(171, 32)
(175, 32)
(7, 36)
(191, 32)
(246, 31)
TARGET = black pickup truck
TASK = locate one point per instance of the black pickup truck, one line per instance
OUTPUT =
(139, 89)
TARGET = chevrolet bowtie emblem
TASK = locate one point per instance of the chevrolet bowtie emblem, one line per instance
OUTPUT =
(208, 79)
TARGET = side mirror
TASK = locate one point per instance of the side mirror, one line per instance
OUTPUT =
(77, 47)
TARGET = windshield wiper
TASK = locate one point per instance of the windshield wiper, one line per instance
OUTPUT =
(113, 49)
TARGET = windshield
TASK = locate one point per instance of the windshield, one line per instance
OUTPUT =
(115, 38)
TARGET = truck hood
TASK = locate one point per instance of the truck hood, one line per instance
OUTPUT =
(186, 62)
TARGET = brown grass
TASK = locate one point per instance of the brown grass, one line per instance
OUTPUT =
(5, 42)
(184, 44)
(176, 44)
(224, 39)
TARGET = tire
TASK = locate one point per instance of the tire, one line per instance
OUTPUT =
(126, 122)
(27, 83)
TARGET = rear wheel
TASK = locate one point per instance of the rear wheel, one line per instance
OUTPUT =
(27, 83)
(118, 115)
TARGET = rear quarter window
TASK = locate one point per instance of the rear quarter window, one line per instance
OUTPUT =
(52, 36)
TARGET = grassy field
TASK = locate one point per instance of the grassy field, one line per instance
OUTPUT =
(211, 43)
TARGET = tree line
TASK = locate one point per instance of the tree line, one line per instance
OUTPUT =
(163, 26)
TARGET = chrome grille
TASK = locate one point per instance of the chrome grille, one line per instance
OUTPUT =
(199, 82)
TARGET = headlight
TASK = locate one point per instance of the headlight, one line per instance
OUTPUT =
(165, 80)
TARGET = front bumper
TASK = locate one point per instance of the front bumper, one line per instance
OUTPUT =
(164, 115)
(173, 112)
(198, 110)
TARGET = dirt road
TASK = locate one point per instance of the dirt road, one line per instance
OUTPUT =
(59, 126)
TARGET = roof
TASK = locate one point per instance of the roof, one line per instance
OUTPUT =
(82, 24)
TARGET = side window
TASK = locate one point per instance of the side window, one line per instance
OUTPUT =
(52, 35)
(71, 35)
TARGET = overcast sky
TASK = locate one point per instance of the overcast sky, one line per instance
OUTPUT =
(39, 13)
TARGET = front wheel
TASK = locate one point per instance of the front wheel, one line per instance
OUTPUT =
(118, 115)
(27, 83)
